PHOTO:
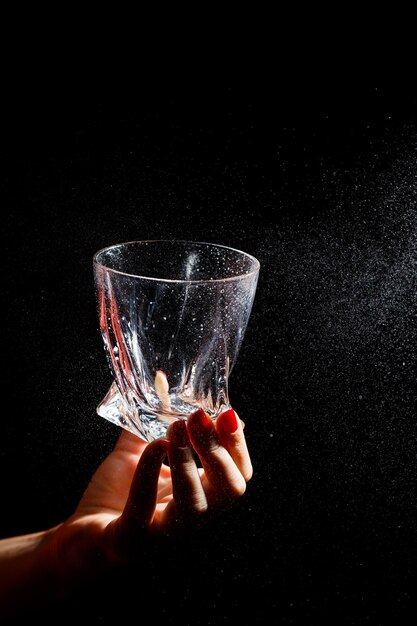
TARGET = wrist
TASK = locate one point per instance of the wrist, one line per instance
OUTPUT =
(25, 573)
(72, 555)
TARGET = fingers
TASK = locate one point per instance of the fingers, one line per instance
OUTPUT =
(141, 503)
(223, 453)
(230, 432)
(225, 479)
(188, 492)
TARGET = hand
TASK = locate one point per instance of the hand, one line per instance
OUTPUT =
(134, 499)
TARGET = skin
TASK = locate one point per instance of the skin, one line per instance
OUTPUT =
(133, 501)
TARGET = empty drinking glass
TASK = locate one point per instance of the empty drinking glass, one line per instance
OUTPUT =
(172, 315)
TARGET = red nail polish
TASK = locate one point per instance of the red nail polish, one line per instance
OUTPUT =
(228, 421)
(161, 446)
(203, 419)
(179, 434)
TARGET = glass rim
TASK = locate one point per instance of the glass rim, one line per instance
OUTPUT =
(255, 269)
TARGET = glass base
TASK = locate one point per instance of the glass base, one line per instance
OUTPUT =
(145, 425)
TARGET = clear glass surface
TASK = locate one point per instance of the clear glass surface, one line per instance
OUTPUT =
(172, 316)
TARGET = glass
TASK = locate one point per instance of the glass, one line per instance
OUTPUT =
(172, 316)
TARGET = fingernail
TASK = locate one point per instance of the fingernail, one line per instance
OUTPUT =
(229, 421)
(203, 420)
(164, 443)
(179, 434)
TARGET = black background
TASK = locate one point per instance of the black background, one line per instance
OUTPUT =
(319, 185)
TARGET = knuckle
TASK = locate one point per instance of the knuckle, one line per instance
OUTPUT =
(183, 458)
(213, 444)
(188, 509)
